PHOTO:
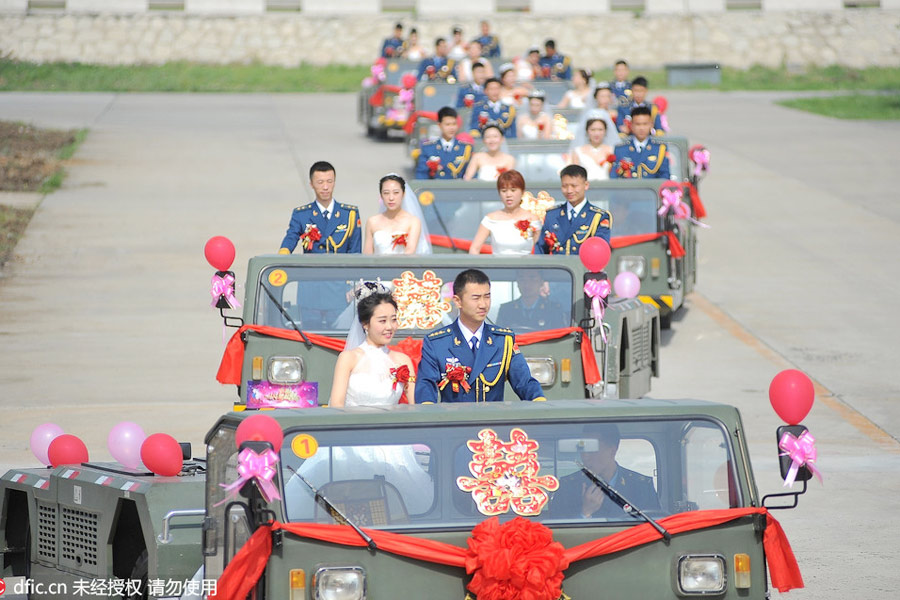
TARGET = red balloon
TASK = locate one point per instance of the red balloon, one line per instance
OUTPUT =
(792, 394)
(161, 454)
(661, 103)
(219, 252)
(409, 81)
(259, 428)
(594, 254)
(67, 449)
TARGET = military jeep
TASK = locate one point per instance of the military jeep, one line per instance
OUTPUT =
(299, 308)
(660, 250)
(380, 502)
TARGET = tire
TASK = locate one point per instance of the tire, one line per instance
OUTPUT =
(665, 321)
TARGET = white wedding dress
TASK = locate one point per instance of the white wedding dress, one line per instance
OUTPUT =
(370, 382)
(507, 239)
(384, 242)
(595, 172)
(487, 173)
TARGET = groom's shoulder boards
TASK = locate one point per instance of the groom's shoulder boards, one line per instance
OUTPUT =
(348, 206)
(439, 333)
(499, 330)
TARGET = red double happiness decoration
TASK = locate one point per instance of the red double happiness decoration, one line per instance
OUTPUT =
(534, 565)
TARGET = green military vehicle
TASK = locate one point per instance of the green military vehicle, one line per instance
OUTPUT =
(298, 311)
(660, 250)
(100, 529)
(648, 499)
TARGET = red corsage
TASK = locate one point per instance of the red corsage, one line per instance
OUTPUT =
(515, 561)
(310, 236)
(502, 170)
(400, 375)
(625, 168)
(525, 228)
(552, 242)
(398, 239)
(389, 51)
(456, 377)
(429, 70)
(469, 100)
(545, 71)
(482, 119)
(541, 126)
(611, 159)
(434, 165)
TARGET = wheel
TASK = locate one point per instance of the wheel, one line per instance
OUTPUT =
(141, 572)
(665, 321)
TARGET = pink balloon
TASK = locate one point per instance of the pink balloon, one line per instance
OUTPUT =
(594, 254)
(41, 438)
(124, 443)
(792, 394)
(627, 284)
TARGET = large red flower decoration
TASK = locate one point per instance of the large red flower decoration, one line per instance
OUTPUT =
(400, 375)
(398, 239)
(310, 236)
(515, 561)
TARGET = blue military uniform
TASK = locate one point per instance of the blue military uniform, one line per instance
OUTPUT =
(502, 115)
(496, 360)
(590, 221)
(338, 234)
(476, 92)
(392, 47)
(444, 68)
(651, 163)
(621, 92)
(490, 45)
(452, 164)
(560, 66)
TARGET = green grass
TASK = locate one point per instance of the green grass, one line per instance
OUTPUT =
(852, 106)
(177, 77)
(55, 180)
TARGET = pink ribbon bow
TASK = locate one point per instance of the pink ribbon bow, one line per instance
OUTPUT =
(802, 451)
(671, 200)
(223, 286)
(406, 97)
(700, 157)
(597, 291)
(252, 465)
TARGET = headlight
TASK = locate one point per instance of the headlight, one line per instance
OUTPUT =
(635, 264)
(340, 583)
(286, 369)
(543, 369)
(700, 574)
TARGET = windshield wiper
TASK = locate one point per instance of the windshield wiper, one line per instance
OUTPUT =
(320, 497)
(285, 314)
(623, 502)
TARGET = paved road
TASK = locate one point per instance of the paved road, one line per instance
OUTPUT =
(105, 310)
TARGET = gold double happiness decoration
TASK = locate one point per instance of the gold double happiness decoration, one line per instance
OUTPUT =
(419, 301)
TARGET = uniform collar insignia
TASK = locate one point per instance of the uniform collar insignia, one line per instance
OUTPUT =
(490, 341)
(315, 214)
(456, 341)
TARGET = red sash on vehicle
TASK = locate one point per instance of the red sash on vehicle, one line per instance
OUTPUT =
(246, 567)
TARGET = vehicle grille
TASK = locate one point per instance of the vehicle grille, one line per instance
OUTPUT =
(46, 533)
(78, 538)
(640, 347)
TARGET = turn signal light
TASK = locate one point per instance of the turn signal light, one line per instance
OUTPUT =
(257, 368)
(298, 584)
(654, 267)
(742, 571)
(565, 375)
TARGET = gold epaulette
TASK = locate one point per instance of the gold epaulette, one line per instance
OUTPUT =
(439, 333)
(500, 330)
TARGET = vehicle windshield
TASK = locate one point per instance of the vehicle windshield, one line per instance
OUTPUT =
(456, 212)
(319, 299)
(444, 476)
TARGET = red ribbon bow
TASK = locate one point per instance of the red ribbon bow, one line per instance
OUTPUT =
(552, 242)
(399, 375)
(310, 236)
(398, 239)
(456, 376)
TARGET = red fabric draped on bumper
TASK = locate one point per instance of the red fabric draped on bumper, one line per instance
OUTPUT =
(247, 566)
(233, 357)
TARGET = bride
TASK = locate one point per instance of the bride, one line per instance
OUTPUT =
(487, 165)
(368, 373)
(399, 229)
(593, 155)
(513, 230)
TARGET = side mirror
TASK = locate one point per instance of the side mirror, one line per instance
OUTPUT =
(784, 462)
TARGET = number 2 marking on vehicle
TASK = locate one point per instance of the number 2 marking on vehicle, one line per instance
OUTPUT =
(304, 445)
(278, 277)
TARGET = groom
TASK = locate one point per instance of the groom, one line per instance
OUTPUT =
(470, 360)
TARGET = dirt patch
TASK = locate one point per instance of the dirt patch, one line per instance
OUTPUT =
(29, 156)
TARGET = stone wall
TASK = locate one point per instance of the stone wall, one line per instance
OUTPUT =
(737, 38)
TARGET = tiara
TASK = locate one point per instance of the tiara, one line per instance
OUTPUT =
(538, 94)
(364, 289)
